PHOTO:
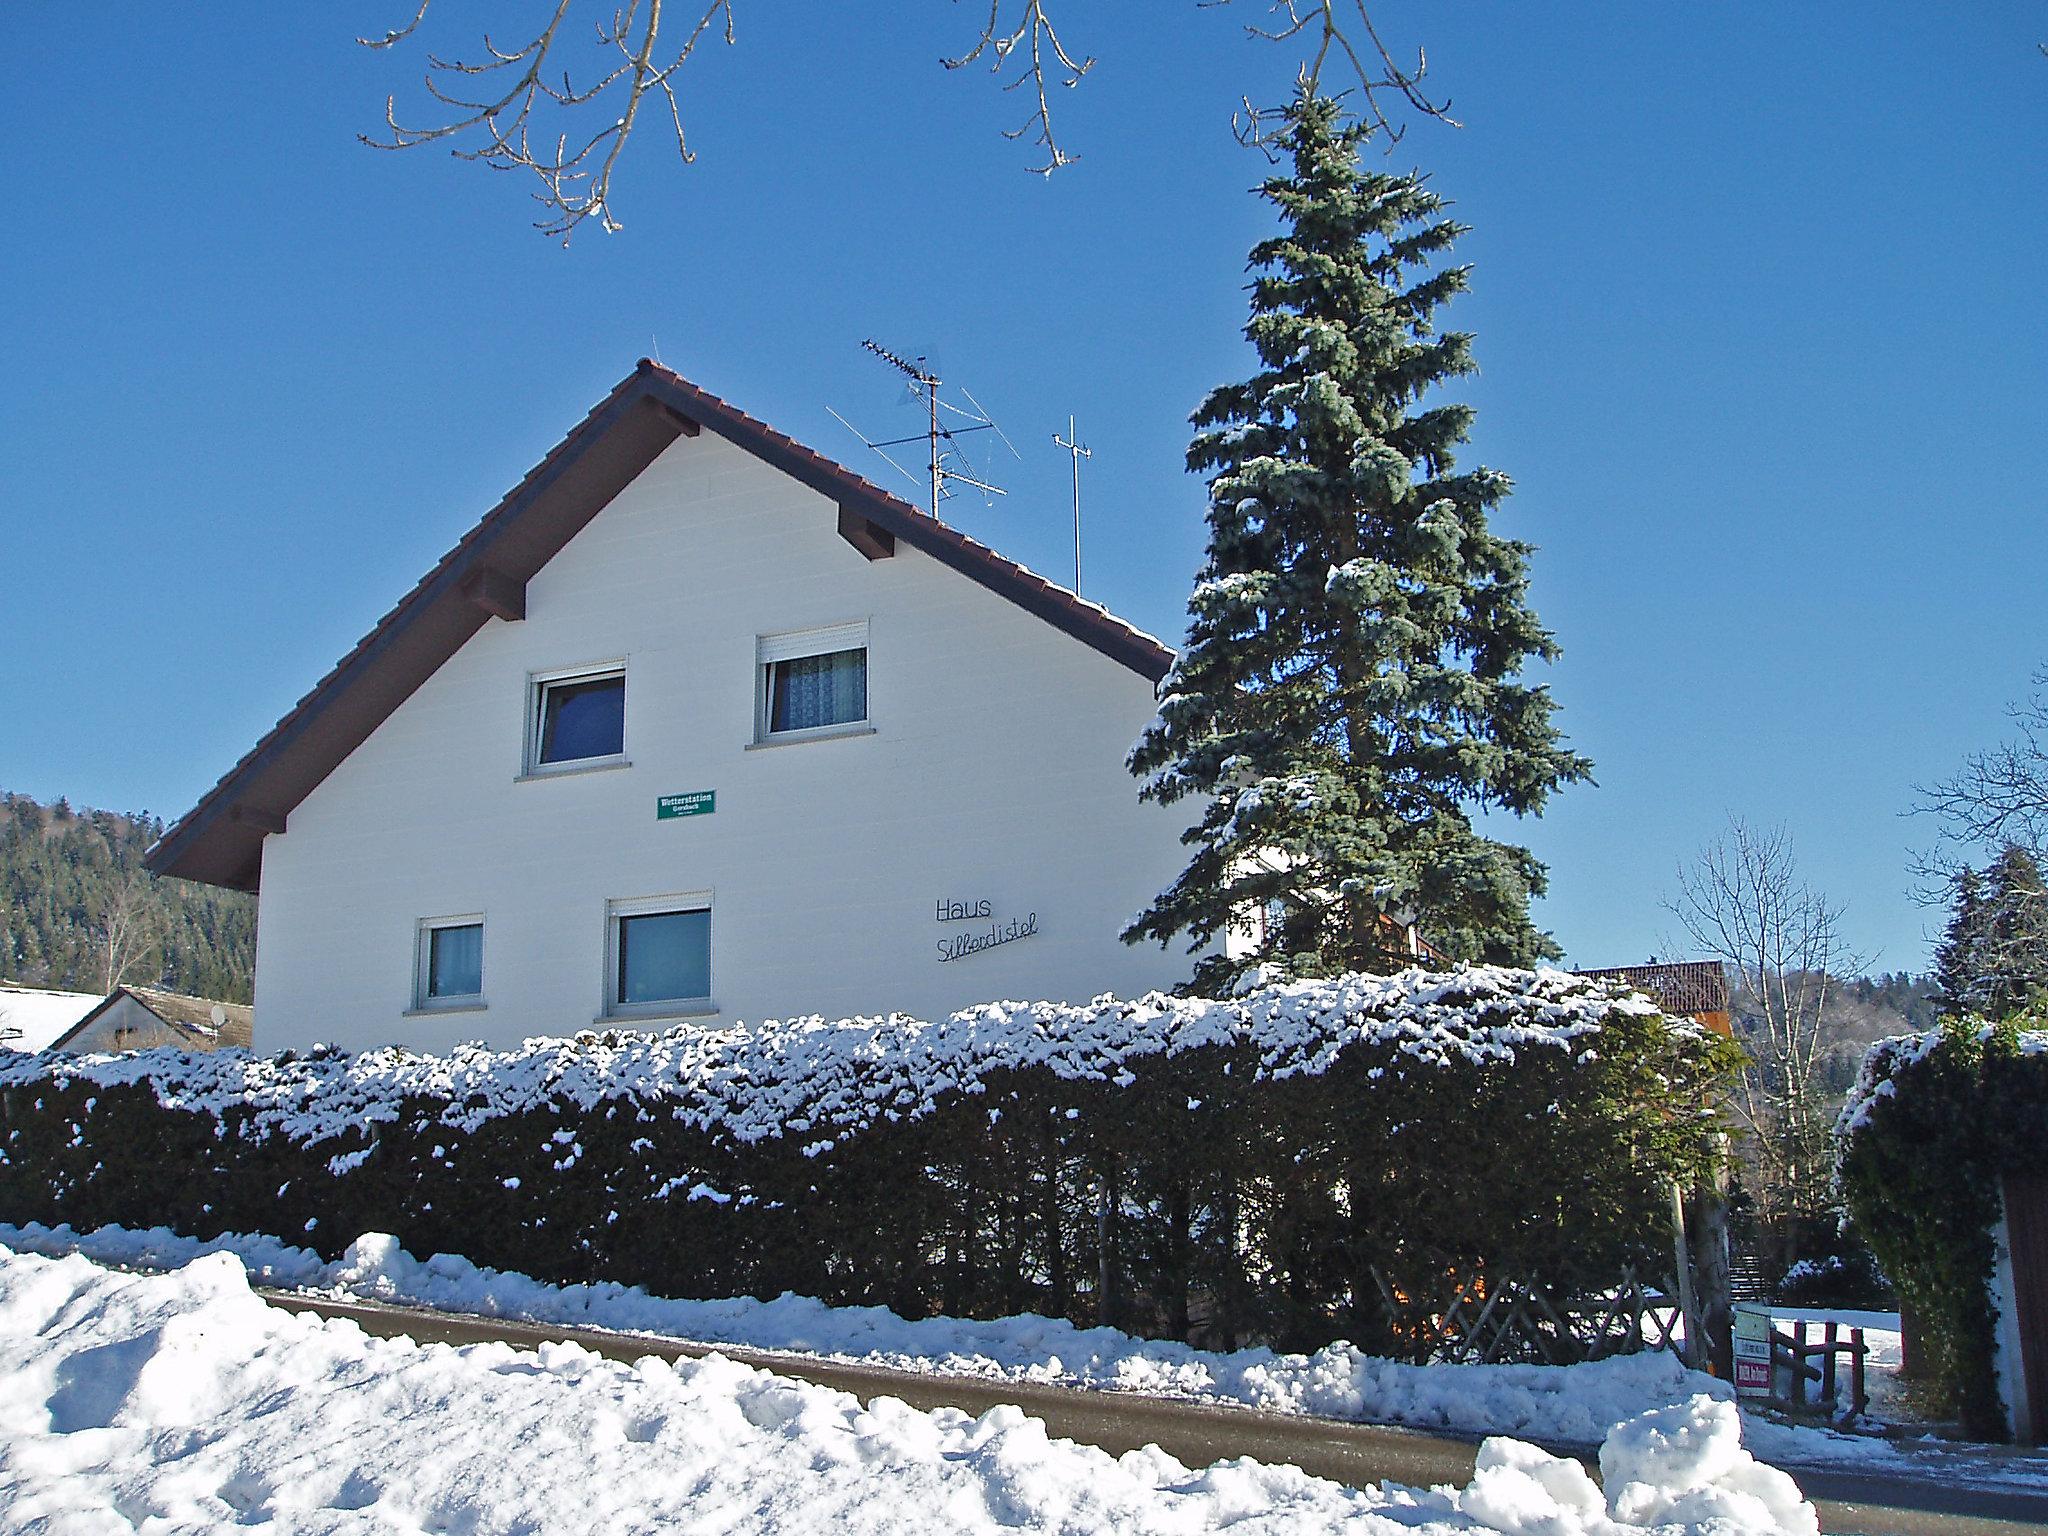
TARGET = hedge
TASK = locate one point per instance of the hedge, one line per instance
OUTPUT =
(1933, 1124)
(1300, 1163)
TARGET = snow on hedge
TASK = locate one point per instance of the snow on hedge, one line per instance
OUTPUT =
(1887, 1058)
(183, 1400)
(824, 1080)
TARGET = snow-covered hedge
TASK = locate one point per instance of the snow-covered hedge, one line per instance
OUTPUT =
(1933, 1124)
(1280, 1165)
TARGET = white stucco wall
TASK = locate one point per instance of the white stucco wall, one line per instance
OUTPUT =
(995, 771)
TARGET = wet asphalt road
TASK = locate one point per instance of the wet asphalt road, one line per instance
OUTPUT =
(1850, 1503)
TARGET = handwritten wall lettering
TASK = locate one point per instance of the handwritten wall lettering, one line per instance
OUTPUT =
(945, 911)
(960, 945)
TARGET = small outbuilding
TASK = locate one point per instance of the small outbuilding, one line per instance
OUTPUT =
(141, 1018)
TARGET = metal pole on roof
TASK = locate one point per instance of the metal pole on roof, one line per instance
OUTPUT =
(1072, 443)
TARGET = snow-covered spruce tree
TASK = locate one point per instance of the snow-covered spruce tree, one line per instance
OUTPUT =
(1349, 694)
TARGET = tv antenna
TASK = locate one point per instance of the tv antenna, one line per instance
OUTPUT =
(1072, 443)
(947, 423)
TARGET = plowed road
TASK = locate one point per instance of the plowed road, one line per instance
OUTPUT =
(1850, 1503)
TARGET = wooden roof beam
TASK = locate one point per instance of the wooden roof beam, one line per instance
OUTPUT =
(499, 595)
(866, 535)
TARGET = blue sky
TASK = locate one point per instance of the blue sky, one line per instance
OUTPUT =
(1758, 298)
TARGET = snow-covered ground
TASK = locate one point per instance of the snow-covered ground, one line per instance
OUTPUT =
(32, 1017)
(181, 1399)
(1558, 1405)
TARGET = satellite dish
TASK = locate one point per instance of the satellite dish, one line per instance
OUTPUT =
(219, 1015)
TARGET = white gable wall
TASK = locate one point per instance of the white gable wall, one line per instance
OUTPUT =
(995, 772)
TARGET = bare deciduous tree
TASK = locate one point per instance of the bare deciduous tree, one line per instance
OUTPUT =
(2000, 798)
(504, 107)
(1741, 902)
(126, 933)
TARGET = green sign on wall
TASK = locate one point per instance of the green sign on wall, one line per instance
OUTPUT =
(698, 802)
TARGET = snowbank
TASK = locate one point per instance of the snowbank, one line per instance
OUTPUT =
(825, 1080)
(182, 1398)
(1556, 1404)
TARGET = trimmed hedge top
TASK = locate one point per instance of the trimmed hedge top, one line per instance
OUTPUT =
(830, 1080)
(1886, 1062)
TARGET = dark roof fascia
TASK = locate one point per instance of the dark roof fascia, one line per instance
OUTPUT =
(440, 588)
(220, 840)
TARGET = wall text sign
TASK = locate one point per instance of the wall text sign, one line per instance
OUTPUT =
(973, 942)
(698, 802)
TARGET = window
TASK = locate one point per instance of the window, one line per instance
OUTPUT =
(659, 956)
(449, 969)
(576, 718)
(813, 683)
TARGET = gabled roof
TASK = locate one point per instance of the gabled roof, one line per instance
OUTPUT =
(220, 841)
(191, 1018)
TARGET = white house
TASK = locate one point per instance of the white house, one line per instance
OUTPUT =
(696, 724)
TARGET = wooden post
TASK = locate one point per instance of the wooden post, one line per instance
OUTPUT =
(1687, 1309)
(1827, 1380)
(1799, 1363)
(1859, 1399)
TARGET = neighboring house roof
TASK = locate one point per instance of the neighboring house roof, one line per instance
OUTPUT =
(1692, 987)
(206, 1024)
(220, 841)
(31, 1018)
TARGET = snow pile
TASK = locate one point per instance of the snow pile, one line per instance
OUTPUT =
(182, 1399)
(1575, 1404)
(826, 1080)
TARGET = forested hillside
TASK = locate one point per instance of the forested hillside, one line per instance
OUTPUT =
(78, 911)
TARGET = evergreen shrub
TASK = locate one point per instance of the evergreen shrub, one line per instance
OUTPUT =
(1935, 1121)
(1296, 1164)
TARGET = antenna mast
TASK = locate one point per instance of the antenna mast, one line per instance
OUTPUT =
(940, 432)
(1072, 443)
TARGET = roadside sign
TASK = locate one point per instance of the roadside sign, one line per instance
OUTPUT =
(1752, 1332)
(698, 802)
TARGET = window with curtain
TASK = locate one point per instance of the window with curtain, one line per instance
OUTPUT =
(808, 693)
(451, 962)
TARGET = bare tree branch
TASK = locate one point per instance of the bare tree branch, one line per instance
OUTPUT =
(501, 106)
(999, 40)
(2001, 795)
(1344, 33)
(575, 184)
(1741, 902)
(126, 932)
